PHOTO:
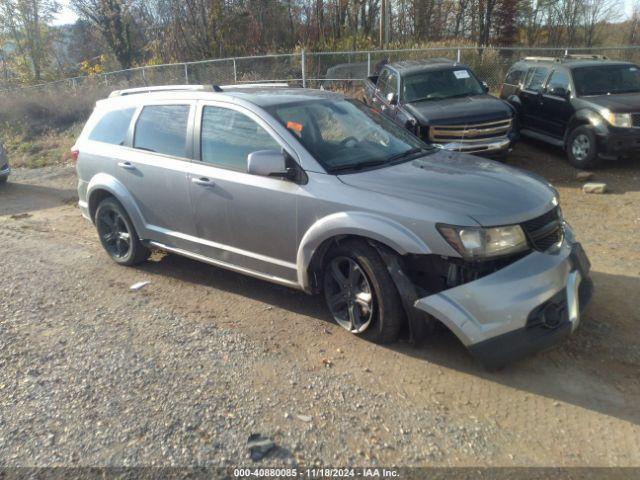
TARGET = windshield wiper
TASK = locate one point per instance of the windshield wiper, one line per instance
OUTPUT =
(409, 153)
(375, 163)
(357, 165)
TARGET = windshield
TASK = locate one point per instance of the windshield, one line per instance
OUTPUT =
(439, 85)
(346, 134)
(606, 79)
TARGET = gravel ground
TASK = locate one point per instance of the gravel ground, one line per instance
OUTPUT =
(182, 371)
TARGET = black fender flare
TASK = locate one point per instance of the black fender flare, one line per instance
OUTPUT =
(586, 117)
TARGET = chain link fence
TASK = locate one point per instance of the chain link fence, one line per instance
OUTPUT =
(317, 69)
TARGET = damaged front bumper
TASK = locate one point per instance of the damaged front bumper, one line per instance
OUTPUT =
(522, 308)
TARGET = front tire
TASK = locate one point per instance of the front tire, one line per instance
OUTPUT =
(360, 293)
(582, 148)
(117, 234)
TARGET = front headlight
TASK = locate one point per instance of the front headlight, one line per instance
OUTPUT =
(622, 120)
(478, 242)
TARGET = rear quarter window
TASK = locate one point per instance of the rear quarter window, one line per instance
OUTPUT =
(113, 126)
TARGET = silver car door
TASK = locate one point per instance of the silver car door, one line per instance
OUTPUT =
(154, 170)
(257, 230)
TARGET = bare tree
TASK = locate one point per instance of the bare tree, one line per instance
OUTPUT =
(595, 14)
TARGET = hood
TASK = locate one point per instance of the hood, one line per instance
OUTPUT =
(488, 192)
(620, 103)
(459, 111)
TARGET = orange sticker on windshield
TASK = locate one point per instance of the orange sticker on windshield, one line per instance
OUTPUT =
(295, 126)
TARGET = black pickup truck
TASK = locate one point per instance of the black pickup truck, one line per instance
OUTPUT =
(444, 103)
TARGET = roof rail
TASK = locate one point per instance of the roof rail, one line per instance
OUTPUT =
(164, 88)
(541, 59)
(253, 85)
(585, 56)
(572, 56)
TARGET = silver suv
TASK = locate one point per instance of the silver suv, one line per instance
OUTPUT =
(315, 191)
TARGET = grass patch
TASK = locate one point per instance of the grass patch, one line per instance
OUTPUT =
(52, 147)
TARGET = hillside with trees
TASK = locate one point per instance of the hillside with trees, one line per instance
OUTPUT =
(119, 34)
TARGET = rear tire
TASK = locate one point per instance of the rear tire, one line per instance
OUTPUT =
(360, 293)
(3, 180)
(117, 234)
(582, 148)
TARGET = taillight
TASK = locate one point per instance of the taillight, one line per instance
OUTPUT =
(74, 155)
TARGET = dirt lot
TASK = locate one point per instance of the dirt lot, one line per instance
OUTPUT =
(184, 370)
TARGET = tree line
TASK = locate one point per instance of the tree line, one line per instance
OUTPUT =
(113, 34)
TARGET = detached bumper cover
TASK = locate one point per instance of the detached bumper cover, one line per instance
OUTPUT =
(522, 308)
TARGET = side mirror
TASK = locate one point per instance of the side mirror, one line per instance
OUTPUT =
(392, 98)
(485, 86)
(268, 163)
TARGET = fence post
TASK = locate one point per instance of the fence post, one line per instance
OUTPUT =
(186, 74)
(458, 56)
(368, 64)
(235, 72)
(304, 70)
(144, 77)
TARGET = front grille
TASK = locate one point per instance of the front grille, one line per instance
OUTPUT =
(635, 119)
(470, 133)
(545, 231)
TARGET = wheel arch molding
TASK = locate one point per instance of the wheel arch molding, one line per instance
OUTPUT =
(103, 185)
(337, 226)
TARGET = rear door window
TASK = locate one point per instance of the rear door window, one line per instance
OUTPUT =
(113, 127)
(163, 129)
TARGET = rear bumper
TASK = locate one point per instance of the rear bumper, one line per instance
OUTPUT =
(82, 195)
(525, 307)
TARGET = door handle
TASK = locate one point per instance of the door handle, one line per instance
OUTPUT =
(203, 181)
(126, 165)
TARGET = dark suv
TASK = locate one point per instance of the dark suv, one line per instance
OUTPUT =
(588, 105)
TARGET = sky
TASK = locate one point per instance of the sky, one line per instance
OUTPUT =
(67, 15)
